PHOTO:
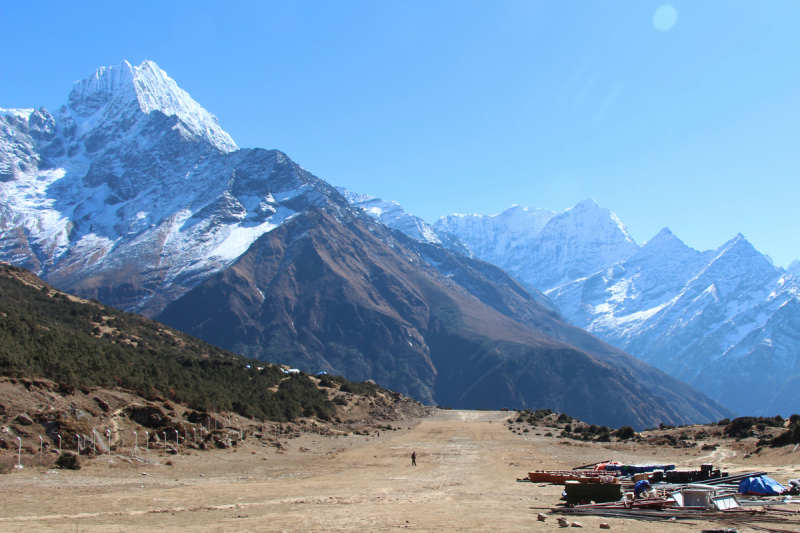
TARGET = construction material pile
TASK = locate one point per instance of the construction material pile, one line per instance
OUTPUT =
(661, 493)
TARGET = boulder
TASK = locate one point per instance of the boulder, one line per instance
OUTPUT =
(222, 441)
(149, 416)
(102, 404)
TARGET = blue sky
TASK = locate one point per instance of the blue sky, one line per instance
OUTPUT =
(474, 106)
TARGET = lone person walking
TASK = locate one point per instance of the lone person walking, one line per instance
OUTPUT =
(413, 458)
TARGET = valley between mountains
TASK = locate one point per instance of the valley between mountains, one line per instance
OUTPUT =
(131, 193)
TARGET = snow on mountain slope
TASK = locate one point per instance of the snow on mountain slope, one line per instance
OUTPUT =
(393, 215)
(132, 192)
(542, 248)
(101, 98)
(697, 316)
(720, 320)
(494, 236)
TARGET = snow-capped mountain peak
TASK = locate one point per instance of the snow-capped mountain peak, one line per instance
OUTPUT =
(530, 242)
(585, 204)
(721, 319)
(135, 174)
(19, 113)
(517, 218)
(741, 251)
(663, 236)
(112, 90)
(589, 212)
(664, 244)
(354, 197)
(392, 214)
(93, 93)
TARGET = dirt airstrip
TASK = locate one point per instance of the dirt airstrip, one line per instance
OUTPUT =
(468, 462)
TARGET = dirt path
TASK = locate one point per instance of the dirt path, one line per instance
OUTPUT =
(718, 457)
(465, 480)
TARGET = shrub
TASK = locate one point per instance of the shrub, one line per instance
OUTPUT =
(42, 461)
(790, 436)
(6, 465)
(68, 461)
(365, 388)
(740, 427)
(625, 433)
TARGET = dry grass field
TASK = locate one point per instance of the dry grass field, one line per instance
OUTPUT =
(468, 462)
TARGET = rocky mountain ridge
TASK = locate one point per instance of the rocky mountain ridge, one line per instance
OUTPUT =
(132, 193)
(726, 321)
(544, 248)
(144, 203)
(722, 320)
(342, 293)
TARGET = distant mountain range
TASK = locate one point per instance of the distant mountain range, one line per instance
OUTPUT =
(726, 321)
(132, 194)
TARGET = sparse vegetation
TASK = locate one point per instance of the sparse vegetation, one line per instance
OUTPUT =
(68, 461)
(742, 427)
(533, 417)
(45, 334)
(790, 436)
(6, 465)
(365, 388)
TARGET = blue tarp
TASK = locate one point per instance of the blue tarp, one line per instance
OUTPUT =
(761, 485)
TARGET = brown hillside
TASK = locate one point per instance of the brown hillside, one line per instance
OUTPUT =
(346, 295)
